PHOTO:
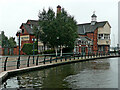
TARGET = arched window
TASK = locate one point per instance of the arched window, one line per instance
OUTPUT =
(79, 41)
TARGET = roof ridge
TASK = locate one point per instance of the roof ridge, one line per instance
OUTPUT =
(90, 23)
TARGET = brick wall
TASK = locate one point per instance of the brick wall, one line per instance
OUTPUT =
(95, 47)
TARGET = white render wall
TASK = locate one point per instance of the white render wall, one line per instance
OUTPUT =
(104, 30)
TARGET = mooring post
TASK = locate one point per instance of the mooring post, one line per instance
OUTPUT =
(5, 63)
(28, 61)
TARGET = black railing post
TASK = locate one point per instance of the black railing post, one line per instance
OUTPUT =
(74, 56)
(70, 57)
(65, 58)
(78, 56)
(44, 60)
(61, 58)
(18, 62)
(28, 61)
(37, 60)
(81, 56)
(56, 59)
(33, 59)
(5, 63)
(51, 59)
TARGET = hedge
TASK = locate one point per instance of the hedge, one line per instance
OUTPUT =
(28, 48)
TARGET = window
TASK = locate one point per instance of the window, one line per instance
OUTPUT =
(22, 31)
(79, 41)
(101, 48)
(107, 36)
(100, 36)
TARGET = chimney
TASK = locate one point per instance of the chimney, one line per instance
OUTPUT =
(58, 9)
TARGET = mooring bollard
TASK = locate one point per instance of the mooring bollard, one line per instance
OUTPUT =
(18, 62)
(5, 63)
(44, 60)
(37, 60)
(51, 59)
(28, 61)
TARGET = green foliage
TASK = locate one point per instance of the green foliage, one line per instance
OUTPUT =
(57, 30)
(5, 42)
(67, 50)
(28, 48)
(12, 42)
(49, 51)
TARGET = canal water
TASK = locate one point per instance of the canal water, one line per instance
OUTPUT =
(101, 73)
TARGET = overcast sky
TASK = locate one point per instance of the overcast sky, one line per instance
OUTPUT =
(15, 12)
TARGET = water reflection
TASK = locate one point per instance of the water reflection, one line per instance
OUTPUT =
(89, 74)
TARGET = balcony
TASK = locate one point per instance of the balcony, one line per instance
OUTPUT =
(104, 41)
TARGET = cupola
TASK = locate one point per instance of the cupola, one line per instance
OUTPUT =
(94, 19)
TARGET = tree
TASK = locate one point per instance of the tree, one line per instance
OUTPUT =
(5, 42)
(12, 42)
(59, 30)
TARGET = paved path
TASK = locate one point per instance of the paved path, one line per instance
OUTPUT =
(12, 61)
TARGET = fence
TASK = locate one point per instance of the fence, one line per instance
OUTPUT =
(16, 62)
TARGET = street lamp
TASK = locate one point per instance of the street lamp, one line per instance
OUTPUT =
(33, 39)
(18, 62)
(19, 42)
(57, 44)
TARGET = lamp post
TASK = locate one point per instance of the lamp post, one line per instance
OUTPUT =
(57, 44)
(18, 62)
(33, 39)
(19, 42)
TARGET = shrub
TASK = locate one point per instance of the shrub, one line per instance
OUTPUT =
(49, 51)
(28, 48)
(67, 50)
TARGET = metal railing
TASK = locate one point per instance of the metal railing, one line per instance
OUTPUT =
(16, 62)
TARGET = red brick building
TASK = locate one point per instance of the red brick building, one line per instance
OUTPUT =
(27, 33)
(93, 37)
